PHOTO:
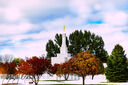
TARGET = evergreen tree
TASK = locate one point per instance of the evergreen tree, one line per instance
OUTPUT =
(87, 41)
(80, 41)
(52, 49)
(117, 70)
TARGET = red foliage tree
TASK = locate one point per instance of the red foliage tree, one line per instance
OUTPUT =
(63, 70)
(34, 68)
(9, 68)
(53, 69)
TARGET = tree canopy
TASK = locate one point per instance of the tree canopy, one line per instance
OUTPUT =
(84, 63)
(76, 42)
(34, 68)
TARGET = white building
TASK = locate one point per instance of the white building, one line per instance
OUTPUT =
(63, 55)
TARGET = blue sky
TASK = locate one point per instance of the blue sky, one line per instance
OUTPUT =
(27, 25)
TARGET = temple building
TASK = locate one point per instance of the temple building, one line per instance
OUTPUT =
(63, 55)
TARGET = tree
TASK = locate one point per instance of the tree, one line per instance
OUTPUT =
(78, 41)
(117, 70)
(9, 68)
(53, 69)
(63, 70)
(87, 41)
(54, 48)
(84, 63)
(51, 49)
(17, 61)
(34, 68)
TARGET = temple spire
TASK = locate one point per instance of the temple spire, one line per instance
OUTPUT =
(63, 49)
(64, 28)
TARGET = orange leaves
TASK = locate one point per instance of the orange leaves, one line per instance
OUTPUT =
(63, 69)
(84, 64)
(8, 68)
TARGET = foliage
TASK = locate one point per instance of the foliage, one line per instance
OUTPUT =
(53, 69)
(63, 70)
(54, 48)
(34, 68)
(78, 41)
(17, 61)
(84, 64)
(117, 70)
(51, 49)
(9, 68)
(84, 41)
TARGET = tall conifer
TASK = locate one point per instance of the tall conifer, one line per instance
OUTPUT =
(116, 70)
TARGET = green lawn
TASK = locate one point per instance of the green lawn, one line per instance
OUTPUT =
(56, 80)
(75, 84)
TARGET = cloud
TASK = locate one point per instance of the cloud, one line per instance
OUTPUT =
(28, 38)
(12, 14)
(116, 18)
(12, 29)
(111, 35)
(26, 49)
(16, 11)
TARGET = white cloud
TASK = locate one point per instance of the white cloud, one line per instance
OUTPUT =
(15, 11)
(116, 18)
(12, 14)
(7, 29)
(111, 35)
(27, 49)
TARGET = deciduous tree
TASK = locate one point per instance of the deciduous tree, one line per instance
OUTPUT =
(84, 64)
(63, 70)
(9, 68)
(34, 67)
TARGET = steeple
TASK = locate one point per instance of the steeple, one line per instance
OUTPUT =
(63, 55)
(63, 49)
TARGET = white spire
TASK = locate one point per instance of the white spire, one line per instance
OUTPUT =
(63, 49)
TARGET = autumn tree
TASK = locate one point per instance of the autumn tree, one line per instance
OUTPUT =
(84, 63)
(117, 70)
(17, 61)
(63, 70)
(76, 42)
(9, 68)
(54, 68)
(34, 68)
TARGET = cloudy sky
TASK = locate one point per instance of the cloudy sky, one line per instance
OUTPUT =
(27, 25)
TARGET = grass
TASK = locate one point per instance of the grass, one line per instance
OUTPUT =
(75, 84)
(56, 80)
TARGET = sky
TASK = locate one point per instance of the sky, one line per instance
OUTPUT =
(27, 25)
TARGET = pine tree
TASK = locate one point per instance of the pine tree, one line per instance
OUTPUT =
(116, 70)
(51, 49)
(87, 41)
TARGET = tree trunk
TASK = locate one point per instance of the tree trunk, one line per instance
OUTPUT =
(83, 79)
(36, 83)
(66, 76)
(92, 77)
